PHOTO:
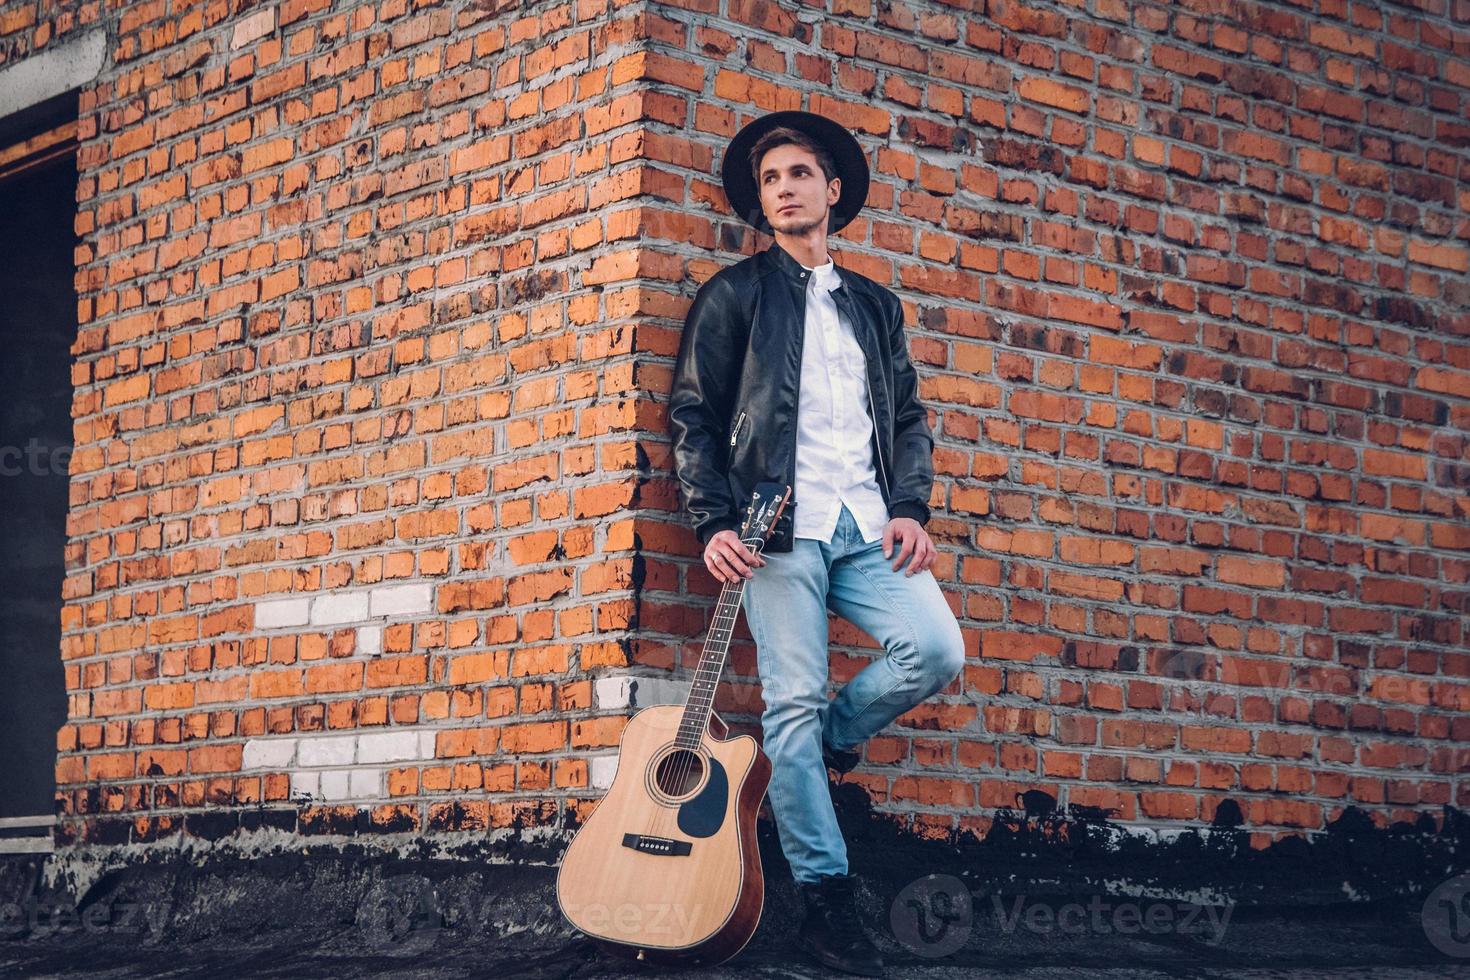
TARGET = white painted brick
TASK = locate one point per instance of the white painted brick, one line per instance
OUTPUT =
(305, 784)
(426, 745)
(601, 769)
(388, 747)
(326, 750)
(611, 692)
(253, 28)
(657, 690)
(370, 640)
(276, 613)
(342, 607)
(622, 691)
(403, 600)
(366, 784)
(268, 753)
(336, 784)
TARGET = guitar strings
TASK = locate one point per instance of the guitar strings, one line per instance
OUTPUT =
(683, 766)
(680, 769)
(754, 545)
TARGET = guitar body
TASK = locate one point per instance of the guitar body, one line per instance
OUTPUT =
(666, 868)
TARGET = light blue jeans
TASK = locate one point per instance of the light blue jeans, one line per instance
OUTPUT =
(786, 604)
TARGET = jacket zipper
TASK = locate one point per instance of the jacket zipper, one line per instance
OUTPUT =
(796, 406)
(736, 431)
(877, 436)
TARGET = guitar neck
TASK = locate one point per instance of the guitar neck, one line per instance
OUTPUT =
(701, 698)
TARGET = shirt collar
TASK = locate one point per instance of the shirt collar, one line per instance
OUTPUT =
(825, 276)
(828, 275)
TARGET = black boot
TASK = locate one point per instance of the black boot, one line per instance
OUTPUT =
(832, 932)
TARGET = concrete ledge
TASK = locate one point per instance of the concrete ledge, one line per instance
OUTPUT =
(55, 70)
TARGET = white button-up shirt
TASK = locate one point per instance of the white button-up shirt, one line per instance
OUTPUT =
(834, 453)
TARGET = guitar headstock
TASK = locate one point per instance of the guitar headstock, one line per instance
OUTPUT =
(767, 501)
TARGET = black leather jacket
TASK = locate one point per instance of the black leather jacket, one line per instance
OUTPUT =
(732, 403)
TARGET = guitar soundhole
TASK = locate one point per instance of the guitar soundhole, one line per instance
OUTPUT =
(679, 772)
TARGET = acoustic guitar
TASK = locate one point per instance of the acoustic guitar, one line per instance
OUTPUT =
(666, 868)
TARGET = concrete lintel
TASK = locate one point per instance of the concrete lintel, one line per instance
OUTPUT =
(39, 77)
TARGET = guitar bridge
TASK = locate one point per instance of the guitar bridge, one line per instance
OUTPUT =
(656, 845)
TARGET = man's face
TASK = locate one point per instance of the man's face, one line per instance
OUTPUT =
(791, 179)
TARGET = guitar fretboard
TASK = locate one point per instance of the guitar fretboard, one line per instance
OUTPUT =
(712, 660)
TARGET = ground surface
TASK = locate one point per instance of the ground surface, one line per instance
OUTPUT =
(1038, 898)
(417, 925)
(1263, 945)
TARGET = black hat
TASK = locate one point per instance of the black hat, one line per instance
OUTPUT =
(847, 157)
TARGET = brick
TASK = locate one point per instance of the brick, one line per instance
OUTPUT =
(624, 691)
(597, 732)
(320, 750)
(397, 672)
(347, 607)
(335, 784)
(365, 784)
(252, 28)
(603, 770)
(268, 753)
(333, 678)
(401, 600)
(381, 747)
(543, 736)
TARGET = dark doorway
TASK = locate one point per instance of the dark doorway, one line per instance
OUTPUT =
(38, 325)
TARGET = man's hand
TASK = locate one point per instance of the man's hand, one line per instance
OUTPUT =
(729, 559)
(913, 540)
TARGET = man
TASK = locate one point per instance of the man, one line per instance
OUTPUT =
(795, 370)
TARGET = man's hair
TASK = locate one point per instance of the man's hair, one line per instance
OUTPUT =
(782, 135)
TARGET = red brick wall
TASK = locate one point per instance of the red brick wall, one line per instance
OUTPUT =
(377, 313)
